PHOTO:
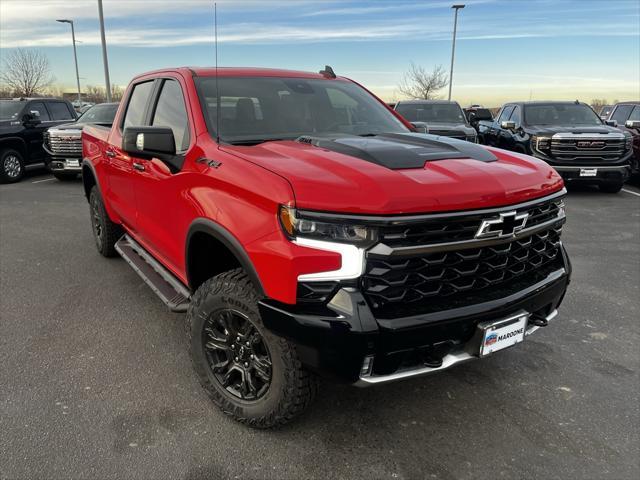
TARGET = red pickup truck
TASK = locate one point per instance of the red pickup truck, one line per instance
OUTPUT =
(306, 229)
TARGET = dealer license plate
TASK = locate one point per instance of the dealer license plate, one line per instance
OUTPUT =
(73, 162)
(502, 333)
(588, 172)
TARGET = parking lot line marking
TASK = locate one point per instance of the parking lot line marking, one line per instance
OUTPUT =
(45, 180)
(631, 192)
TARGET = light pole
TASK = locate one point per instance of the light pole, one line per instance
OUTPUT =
(75, 57)
(105, 61)
(453, 47)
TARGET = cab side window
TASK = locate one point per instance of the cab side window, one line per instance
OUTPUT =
(40, 108)
(171, 112)
(621, 113)
(59, 111)
(506, 113)
(138, 104)
(516, 117)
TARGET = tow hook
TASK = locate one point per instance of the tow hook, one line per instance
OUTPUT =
(538, 320)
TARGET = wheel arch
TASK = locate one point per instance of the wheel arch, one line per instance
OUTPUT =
(15, 143)
(89, 178)
(205, 239)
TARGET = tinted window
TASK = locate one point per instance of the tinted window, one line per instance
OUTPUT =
(10, 109)
(39, 107)
(560, 114)
(431, 112)
(635, 115)
(621, 113)
(99, 114)
(59, 111)
(515, 116)
(138, 104)
(506, 113)
(171, 112)
(253, 110)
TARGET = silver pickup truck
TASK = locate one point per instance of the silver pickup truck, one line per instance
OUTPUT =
(63, 143)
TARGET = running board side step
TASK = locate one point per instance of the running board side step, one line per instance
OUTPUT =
(170, 290)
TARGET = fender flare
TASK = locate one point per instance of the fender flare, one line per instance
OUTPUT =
(16, 139)
(224, 236)
(89, 165)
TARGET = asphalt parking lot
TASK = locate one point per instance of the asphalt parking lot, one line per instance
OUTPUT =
(95, 380)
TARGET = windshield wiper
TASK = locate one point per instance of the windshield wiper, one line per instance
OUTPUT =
(256, 141)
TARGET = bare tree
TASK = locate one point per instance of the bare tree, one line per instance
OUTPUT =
(598, 103)
(26, 72)
(420, 84)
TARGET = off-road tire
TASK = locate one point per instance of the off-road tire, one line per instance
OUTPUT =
(17, 161)
(65, 177)
(291, 389)
(611, 187)
(110, 232)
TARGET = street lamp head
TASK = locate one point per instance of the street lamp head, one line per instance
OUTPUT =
(64, 20)
(457, 6)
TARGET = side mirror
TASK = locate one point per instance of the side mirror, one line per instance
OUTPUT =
(31, 119)
(635, 124)
(420, 127)
(611, 123)
(149, 142)
(508, 125)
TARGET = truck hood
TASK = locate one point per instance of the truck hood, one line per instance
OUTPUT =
(552, 129)
(326, 180)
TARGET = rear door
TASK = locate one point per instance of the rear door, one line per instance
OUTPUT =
(157, 184)
(120, 165)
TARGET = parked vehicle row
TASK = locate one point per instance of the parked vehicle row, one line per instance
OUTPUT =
(437, 117)
(306, 229)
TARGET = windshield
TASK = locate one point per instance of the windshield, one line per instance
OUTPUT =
(560, 114)
(431, 112)
(9, 109)
(268, 108)
(99, 114)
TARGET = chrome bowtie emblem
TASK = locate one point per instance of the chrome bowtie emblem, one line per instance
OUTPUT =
(505, 225)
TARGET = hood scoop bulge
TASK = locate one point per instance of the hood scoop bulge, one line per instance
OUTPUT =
(398, 151)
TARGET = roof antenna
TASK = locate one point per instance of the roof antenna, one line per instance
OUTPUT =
(218, 105)
(327, 72)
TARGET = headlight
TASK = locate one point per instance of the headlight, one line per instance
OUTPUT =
(628, 142)
(295, 225)
(541, 143)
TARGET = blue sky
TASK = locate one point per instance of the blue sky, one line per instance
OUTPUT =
(506, 50)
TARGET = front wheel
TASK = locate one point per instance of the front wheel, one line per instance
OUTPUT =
(11, 166)
(611, 187)
(249, 373)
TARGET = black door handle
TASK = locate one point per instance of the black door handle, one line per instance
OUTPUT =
(138, 166)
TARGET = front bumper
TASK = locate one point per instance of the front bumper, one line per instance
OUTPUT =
(70, 165)
(604, 174)
(346, 342)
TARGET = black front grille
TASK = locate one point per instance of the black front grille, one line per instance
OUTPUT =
(587, 151)
(455, 229)
(404, 286)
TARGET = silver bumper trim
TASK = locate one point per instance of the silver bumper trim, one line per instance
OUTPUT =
(589, 167)
(367, 378)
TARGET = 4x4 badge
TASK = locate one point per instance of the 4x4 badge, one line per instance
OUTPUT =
(505, 225)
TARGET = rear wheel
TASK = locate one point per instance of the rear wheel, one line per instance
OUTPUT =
(105, 232)
(611, 187)
(11, 166)
(251, 374)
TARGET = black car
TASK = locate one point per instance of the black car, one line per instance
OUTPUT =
(22, 123)
(437, 117)
(63, 143)
(476, 114)
(569, 136)
(626, 116)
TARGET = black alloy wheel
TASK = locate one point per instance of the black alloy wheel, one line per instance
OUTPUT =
(237, 354)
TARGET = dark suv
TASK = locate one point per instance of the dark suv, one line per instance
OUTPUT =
(22, 123)
(569, 136)
(437, 117)
(626, 116)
